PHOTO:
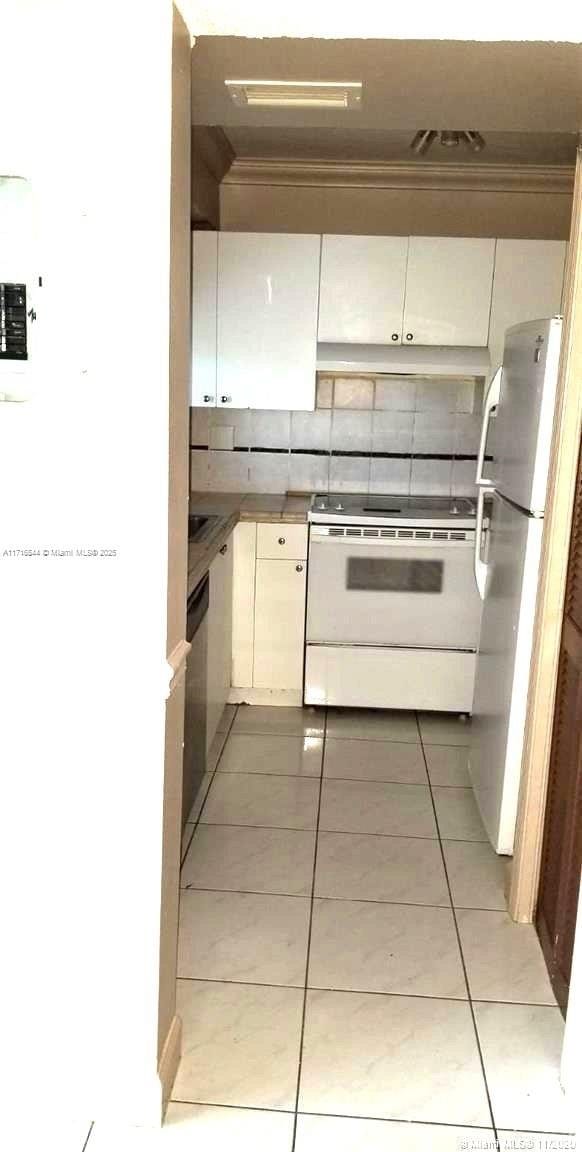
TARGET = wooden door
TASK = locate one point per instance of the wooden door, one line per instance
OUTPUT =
(562, 846)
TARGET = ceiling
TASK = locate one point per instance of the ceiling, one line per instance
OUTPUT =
(525, 98)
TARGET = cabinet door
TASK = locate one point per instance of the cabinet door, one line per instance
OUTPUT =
(204, 281)
(279, 624)
(361, 298)
(243, 604)
(268, 289)
(448, 291)
(527, 285)
(219, 639)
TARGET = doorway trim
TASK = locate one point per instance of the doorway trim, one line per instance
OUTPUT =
(565, 450)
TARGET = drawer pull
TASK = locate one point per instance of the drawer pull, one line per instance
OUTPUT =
(409, 336)
(208, 399)
(224, 550)
(395, 336)
(282, 540)
(299, 567)
(226, 399)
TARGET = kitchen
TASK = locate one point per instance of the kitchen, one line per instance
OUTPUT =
(345, 396)
(382, 1048)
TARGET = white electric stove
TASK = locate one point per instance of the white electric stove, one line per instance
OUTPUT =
(393, 612)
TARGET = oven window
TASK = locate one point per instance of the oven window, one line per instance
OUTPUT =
(379, 574)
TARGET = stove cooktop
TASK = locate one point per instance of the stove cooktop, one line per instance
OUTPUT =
(331, 508)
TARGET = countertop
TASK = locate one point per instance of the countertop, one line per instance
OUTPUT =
(230, 507)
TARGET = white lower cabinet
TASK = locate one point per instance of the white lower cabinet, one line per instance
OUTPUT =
(269, 596)
(219, 639)
(279, 624)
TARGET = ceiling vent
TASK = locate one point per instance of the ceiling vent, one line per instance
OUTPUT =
(448, 139)
(294, 94)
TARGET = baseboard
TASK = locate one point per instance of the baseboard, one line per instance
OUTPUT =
(169, 1060)
(276, 697)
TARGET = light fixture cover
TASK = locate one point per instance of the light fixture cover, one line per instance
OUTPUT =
(295, 93)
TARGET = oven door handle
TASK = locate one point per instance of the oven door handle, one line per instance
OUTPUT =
(491, 402)
(480, 565)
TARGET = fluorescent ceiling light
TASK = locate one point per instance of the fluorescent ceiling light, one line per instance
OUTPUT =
(295, 93)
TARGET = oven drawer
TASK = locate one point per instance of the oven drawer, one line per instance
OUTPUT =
(389, 678)
(281, 541)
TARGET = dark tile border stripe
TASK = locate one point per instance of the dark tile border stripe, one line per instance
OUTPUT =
(345, 453)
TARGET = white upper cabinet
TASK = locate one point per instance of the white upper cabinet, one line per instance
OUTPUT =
(362, 289)
(527, 286)
(204, 285)
(268, 289)
(448, 290)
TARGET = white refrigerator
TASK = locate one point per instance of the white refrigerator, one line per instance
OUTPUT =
(516, 433)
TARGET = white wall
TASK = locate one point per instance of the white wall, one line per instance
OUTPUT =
(421, 19)
(83, 641)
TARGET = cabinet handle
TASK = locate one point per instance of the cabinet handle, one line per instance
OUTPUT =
(409, 336)
(208, 399)
(395, 336)
(224, 550)
(299, 567)
(226, 399)
(282, 540)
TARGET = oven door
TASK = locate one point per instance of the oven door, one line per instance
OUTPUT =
(407, 588)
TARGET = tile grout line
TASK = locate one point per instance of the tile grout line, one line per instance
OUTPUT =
(309, 934)
(331, 831)
(337, 1115)
(337, 899)
(341, 779)
(359, 992)
(458, 934)
(351, 1116)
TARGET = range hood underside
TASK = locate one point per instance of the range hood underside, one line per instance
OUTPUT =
(376, 359)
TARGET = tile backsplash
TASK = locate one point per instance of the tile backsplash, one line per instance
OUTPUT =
(368, 434)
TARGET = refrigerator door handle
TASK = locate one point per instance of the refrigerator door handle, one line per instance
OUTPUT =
(491, 402)
(480, 565)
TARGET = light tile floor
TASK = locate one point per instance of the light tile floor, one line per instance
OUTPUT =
(348, 976)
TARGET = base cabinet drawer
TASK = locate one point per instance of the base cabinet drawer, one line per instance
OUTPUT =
(279, 623)
(281, 541)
